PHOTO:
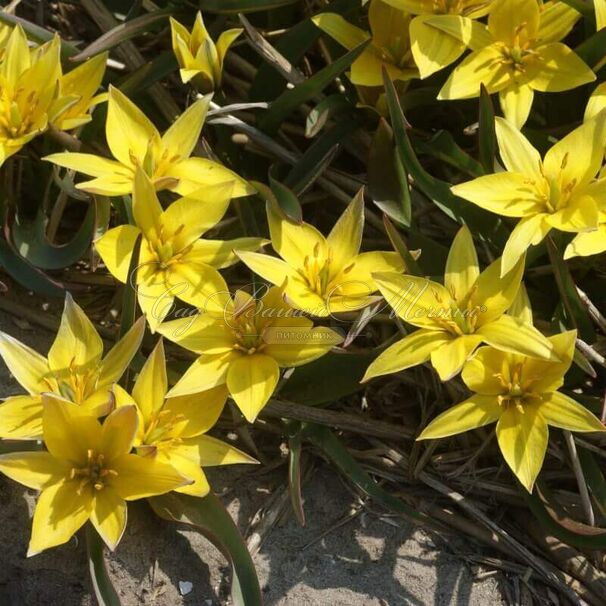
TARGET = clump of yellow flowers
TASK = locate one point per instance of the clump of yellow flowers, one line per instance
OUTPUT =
(102, 426)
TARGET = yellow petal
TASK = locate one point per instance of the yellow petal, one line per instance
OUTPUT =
(484, 66)
(69, 433)
(60, 512)
(522, 436)
(561, 411)
(89, 164)
(115, 247)
(493, 294)
(200, 411)
(194, 173)
(514, 336)
(202, 334)
(151, 385)
(16, 55)
(294, 346)
(572, 161)
(272, 269)
(581, 213)
(221, 253)
(512, 20)
(356, 277)
(557, 20)
(600, 13)
(36, 470)
(213, 452)
(517, 153)
(225, 40)
(560, 69)
(108, 516)
(516, 101)
(343, 32)
(120, 355)
(474, 412)
(188, 218)
(520, 308)
(597, 101)
(27, 366)
(412, 350)
(587, 243)
(118, 433)
(179, 141)
(448, 359)
(472, 34)
(431, 48)
(205, 373)
(21, 418)
(251, 380)
(367, 69)
(140, 477)
(147, 210)
(462, 267)
(482, 373)
(77, 343)
(509, 194)
(188, 467)
(111, 185)
(529, 231)
(345, 237)
(415, 300)
(128, 130)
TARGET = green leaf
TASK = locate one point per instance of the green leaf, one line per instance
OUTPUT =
(242, 6)
(290, 99)
(295, 441)
(149, 73)
(120, 33)
(582, 7)
(329, 444)
(443, 147)
(331, 377)
(280, 199)
(37, 34)
(31, 242)
(487, 137)
(594, 477)
(592, 50)
(387, 180)
(556, 521)
(104, 590)
(317, 118)
(412, 267)
(209, 516)
(26, 274)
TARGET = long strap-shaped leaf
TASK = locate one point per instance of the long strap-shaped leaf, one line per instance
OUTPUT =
(209, 516)
(104, 590)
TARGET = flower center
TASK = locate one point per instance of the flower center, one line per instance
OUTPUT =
(164, 429)
(77, 383)
(94, 474)
(17, 119)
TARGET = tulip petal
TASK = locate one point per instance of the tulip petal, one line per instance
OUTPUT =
(559, 69)
(114, 364)
(509, 334)
(557, 20)
(225, 40)
(152, 384)
(339, 29)
(517, 153)
(89, 164)
(60, 512)
(462, 266)
(128, 130)
(509, 194)
(522, 436)
(108, 516)
(115, 247)
(21, 418)
(482, 374)
(345, 237)
(118, 433)
(516, 102)
(356, 278)
(29, 368)
(529, 231)
(448, 359)
(512, 20)
(295, 346)
(587, 243)
(559, 410)
(36, 470)
(213, 452)
(476, 411)
(272, 269)
(202, 334)
(187, 463)
(412, 350)
(221, 253)
(179, 141)
(205, 373)
(140, 477)
(251, 380)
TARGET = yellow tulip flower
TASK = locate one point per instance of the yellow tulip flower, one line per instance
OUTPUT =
(558, 192)
(136, 143)
(173, 260)
(519, 53)
(389, 46)
(442, 29)
(87, 473)
(199, 58)
(456, 318)
(322, 275)
(28, 81)
(73, 369)
(244, 347)
(521, 395)
(79, 87)
(172, 430)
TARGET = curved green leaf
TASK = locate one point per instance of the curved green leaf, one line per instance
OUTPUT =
(242, 6)
(104, 590)
(209, 516)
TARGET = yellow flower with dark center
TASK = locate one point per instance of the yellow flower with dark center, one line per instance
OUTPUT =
(74, 369)
(88, 473)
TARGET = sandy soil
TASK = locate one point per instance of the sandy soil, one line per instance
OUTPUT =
(372, 559)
